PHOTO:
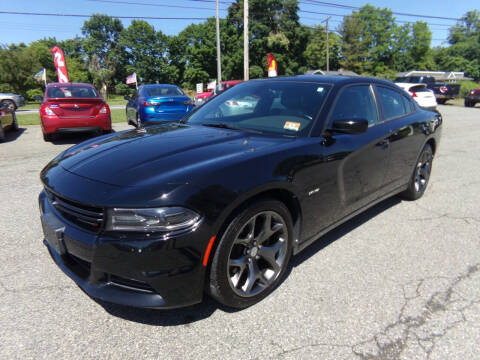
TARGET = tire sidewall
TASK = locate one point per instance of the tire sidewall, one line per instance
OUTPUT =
(219, 286)
(412, 193)
(15, 122)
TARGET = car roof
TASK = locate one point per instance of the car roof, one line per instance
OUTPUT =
(56, 84)
(155, 85)
(329, 79)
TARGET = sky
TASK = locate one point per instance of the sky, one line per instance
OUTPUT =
(27, 28)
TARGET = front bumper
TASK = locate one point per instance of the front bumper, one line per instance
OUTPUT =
(135, 270)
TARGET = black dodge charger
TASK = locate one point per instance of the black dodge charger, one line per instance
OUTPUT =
(219, 201)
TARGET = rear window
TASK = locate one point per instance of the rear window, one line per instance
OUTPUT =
(162, 91)
(72, 92)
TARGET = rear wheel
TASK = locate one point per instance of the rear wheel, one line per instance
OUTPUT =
(15, 122)
(10, 105)
(47, 137)
(2, 132)
(441, 101)
(252, 255)
(421, 175)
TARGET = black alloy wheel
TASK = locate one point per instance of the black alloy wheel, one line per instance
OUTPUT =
(252, 255)
(421, 175)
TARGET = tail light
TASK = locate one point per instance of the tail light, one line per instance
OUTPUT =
(413, 93)
(188, 103)
(150, 103)
(49, 111)
(104, 110)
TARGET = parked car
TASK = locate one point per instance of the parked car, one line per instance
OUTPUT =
(472, 98)
(157, 103)
(202, 98)
(73, 107)
(442, 91)
(8, 119)
(220, 202)
(12, 101)
(421, 94)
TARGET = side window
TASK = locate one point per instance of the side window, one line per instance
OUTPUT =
(392, 103)
(356, 102)
(407, 104)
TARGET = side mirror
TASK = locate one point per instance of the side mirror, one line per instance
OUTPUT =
(126, 97)
(350, 126)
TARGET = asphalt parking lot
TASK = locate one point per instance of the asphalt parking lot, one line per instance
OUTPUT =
(401, 281)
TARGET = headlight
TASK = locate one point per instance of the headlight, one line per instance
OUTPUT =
(150, 219)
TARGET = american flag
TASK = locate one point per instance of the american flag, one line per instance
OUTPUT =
(132, 79)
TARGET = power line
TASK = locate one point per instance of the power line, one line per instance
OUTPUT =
(113, 16)
(153, 4)
(350, 7)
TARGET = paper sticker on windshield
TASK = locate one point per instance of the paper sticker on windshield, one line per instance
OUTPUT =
(290, 125)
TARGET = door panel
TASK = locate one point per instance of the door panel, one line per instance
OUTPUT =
(352, 170)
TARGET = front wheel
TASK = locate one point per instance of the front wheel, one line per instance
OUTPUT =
(252, 255)
(421, 175)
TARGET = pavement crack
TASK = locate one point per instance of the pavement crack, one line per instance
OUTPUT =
(424, 318)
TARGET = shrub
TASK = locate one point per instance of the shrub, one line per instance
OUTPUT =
(34, 92)
(467, 86)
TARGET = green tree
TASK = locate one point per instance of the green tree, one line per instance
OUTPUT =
(101, 44)
(316, 52)
(146, 53)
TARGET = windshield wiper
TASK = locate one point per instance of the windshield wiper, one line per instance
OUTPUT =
(232, 127)
(222, 126)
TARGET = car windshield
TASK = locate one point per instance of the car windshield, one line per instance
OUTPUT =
(162, 91)
(72, 91)
(278, 107)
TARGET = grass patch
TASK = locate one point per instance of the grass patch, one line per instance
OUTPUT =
(118, 116)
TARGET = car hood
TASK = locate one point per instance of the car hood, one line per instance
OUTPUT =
(165, 154)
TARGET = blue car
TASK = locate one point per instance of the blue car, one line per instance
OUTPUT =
(157, 103)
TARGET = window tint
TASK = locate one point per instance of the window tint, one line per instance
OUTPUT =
(392, 103)
(162, 91)
(270, 106)
(356, 102)
(71, 91)
(407, 104)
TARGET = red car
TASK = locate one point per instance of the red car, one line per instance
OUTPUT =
(73, 107)
(201, 98)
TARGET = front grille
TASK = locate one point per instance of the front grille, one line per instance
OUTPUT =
(130, 284)
(85, 216)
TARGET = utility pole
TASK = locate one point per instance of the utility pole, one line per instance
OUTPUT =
(219, 55)
(327, 44)
(245, 41)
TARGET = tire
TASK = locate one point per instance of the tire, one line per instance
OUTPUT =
(47, 137)
(252, 256)
(11, 106)
(15, 122)
(421, 175)
(468, 103)
(2, 132)
(441, 101)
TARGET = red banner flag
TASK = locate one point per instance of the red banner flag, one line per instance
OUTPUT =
(59, 60)
(272, 65)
